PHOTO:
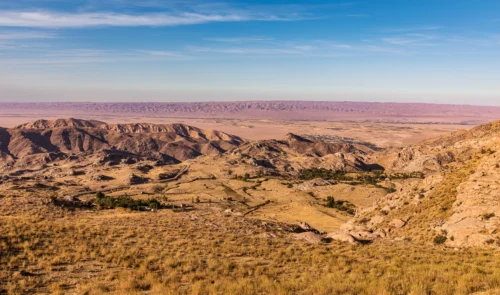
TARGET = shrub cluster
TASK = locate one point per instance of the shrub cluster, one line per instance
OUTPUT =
(343, 206)
(438, 240)
(108, 202)
(361, 178)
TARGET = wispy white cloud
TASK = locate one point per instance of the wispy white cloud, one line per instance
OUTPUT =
(78, 53)
(239, 39)
(358, 15)
(25, 35)
(304, 47)
(23, 40)
(92, 56)
(413, 29)
(161, 53)
(411, 40)
(249, 51)
(46, 19)
(477, 41)
(366, 49)
(342, 46)
(319, 48)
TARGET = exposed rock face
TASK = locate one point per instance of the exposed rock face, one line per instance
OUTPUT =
(458, 199)
(476, 212)
(414, 159)
(42, 141)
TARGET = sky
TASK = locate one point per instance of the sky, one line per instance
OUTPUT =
(436, 51)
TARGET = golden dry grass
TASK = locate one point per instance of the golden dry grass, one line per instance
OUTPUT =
(204, 252)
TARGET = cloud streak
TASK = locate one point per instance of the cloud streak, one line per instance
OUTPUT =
(46, 19)
(411, 40)
(413, 29)
(247, 51)
(92, 56)
(239, 39)
(13, 36)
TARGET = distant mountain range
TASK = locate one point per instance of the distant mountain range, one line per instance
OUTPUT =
(281, 110)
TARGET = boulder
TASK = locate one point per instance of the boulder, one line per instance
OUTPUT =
(377, 219)
(72, 199)
(232, 212)
(305, 227)
(309, 237)
(364, 236)
(397, 223)
(342, 237)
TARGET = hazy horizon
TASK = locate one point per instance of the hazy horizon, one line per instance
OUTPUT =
(445, 52)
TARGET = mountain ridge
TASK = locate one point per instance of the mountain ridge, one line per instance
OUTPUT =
(168, 142)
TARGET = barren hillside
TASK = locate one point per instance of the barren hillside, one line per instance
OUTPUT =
(43, 141)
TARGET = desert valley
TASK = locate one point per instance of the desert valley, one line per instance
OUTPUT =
(312, 207)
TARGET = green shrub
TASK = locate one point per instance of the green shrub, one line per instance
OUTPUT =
(154, 204)
(343, 206)
(108, 202)
(103, 201)
(488, 216)
(438, 240)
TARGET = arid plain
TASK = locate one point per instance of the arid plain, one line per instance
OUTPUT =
(134, 203)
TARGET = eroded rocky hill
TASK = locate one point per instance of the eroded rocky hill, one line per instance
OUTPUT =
(295, 153)
(44, 141)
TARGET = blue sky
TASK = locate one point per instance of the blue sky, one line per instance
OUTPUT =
(440, 51)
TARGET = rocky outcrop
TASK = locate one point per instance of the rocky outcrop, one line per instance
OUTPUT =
(311, 184)
(476, 212)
